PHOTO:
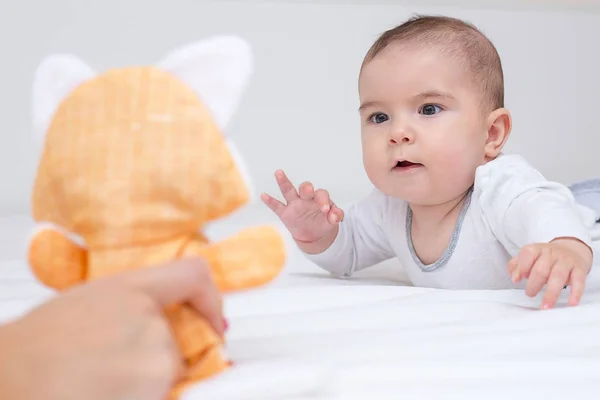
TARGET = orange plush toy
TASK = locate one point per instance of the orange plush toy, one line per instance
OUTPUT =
(133, 166)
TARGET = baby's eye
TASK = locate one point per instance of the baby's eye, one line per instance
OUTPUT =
(378, 118)
(430, 109)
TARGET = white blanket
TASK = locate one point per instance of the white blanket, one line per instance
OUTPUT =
(311, 336)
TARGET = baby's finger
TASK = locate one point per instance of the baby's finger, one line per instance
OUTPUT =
(539, 273)
(285, 185)
(526, 258)
(275, 205)
(322, 198)
(557, 281)
(335, 214)
(306, 190)
(339, 212)
(333, 217)
(577, 281)
(513, 271)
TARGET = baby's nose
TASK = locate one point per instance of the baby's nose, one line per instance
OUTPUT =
(401, 136)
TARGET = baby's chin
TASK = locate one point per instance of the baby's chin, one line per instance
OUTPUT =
(412, 186)
(415, 192)
(419, 194)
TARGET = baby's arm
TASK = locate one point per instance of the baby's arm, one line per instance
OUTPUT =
(540, 225)
(338, 242)
(360, 241)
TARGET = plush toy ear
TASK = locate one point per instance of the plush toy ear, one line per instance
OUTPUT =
(217, 69)
(243, 168)
(54, 79)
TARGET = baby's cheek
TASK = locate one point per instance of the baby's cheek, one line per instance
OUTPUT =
(444, 158)
(452, 167)
(373, 166)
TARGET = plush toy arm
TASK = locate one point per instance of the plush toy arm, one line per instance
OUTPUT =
(55, 260)
(253, 257)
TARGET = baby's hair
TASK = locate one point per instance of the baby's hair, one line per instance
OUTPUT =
(456, 38)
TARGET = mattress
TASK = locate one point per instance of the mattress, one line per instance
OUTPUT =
(311, 336)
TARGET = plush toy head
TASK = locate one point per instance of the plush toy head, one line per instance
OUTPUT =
(138, 154)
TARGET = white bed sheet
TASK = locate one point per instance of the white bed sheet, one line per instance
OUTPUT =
(311, 336)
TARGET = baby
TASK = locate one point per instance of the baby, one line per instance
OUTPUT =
(455, 210)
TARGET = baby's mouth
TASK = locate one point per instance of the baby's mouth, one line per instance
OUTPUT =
(403, 165)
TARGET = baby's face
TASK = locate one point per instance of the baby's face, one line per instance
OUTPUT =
(423, 131)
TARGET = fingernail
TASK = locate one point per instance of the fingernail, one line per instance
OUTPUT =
(325, 207)
(545, 306)
(334, 219)
(225, 325)
(515, 276)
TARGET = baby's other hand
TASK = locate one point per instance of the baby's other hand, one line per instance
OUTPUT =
(562, 262)
(309, 215)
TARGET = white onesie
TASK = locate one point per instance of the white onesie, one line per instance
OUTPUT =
(509, 206)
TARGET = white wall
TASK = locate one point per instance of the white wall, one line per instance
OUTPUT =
(299, 113)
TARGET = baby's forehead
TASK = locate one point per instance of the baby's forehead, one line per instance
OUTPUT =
(410, 68)
(404, 57)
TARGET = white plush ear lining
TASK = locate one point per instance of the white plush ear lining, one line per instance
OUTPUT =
(217, 69)
(54, 79)
(242, 166)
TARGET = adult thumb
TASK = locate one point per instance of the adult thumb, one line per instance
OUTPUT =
(186, 280)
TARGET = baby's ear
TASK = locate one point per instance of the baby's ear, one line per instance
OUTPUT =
(217, 69)
(54, 79)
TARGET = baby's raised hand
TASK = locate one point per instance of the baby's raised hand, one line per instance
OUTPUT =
(310, 215)
(556, 264)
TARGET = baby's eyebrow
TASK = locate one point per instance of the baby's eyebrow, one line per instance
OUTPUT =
(367, 104)
(434, 94)
(428, 94)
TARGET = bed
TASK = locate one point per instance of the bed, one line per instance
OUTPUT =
(308, 335)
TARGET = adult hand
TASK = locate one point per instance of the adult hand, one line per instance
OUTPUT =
(107, 339)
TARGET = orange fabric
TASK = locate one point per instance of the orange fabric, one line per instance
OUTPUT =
(134, 165)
